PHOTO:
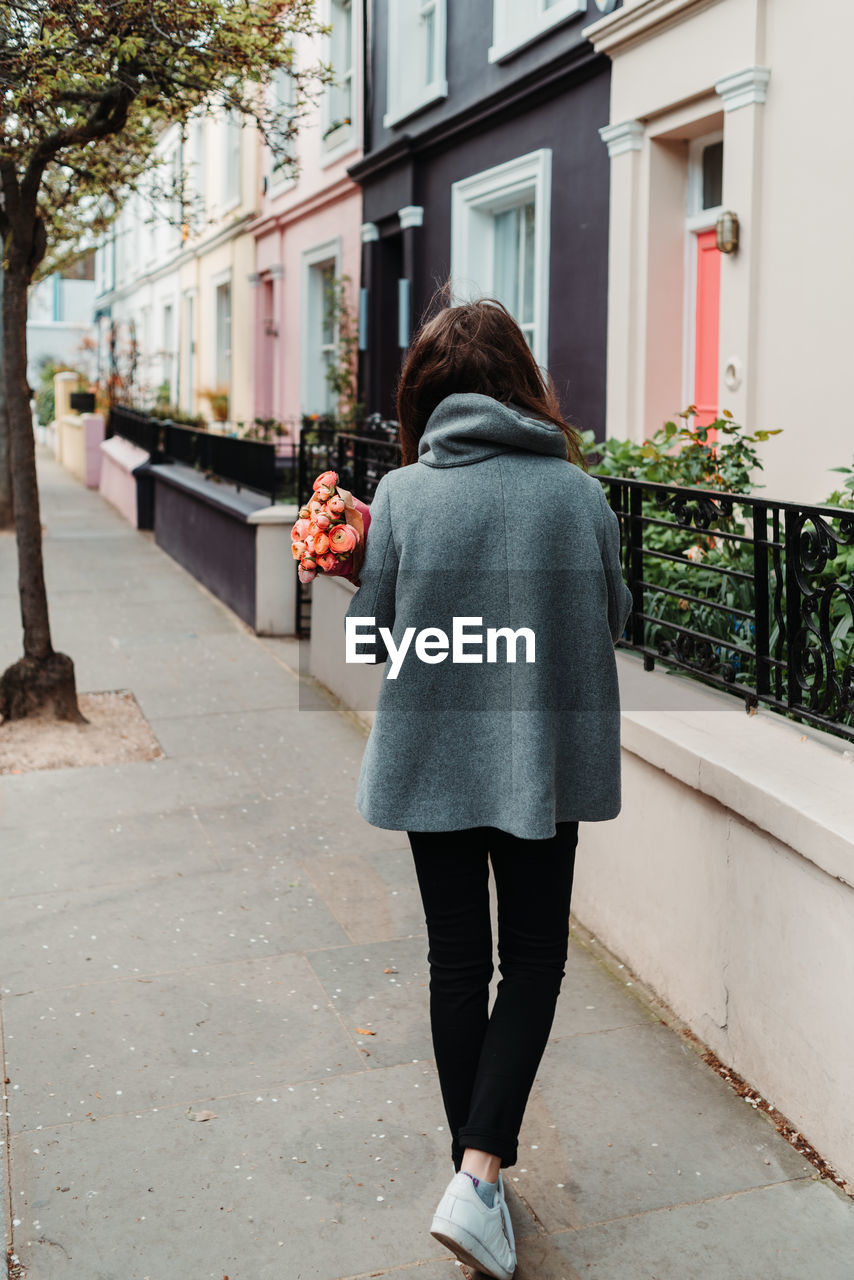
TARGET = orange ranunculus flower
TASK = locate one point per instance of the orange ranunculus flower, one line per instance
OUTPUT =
(321, 544)
(328, 479)
(297, 548)
(343, 538)
(327, 561)
(335, 505)
(300, 529)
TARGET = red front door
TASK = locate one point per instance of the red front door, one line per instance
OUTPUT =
(706, 330)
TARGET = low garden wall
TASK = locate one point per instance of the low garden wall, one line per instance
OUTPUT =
(205, 527)
(232, 541)
(118, 484)
(726, 882)
(79, 438)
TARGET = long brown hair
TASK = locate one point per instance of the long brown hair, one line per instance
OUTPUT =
(474, 347)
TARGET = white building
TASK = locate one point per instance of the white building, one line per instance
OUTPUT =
(172, 294)
(59, 319)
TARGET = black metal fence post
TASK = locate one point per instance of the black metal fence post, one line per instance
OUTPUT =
(761, 622)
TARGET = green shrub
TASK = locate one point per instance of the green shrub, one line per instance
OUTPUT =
(683, 560)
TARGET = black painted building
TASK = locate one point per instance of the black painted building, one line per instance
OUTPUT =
(483, 163)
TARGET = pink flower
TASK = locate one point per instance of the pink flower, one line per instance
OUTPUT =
(335, 505)
(321, 544)
(309, 544)
(306, 575)
(343, 539)
(327, 562)
(322, 521)
(298, 549)
(300, 529)
(304, 513)
(328, 479)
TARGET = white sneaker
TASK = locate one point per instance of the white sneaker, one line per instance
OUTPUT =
(508, 1225)
(476, 1233)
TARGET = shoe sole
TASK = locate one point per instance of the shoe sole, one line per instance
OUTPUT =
(464, 1244)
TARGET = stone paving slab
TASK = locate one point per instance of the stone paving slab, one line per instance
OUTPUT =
(643, 1123)
(165, 1040)
(316, 1181)
(84, 936)
(786, 1232)
(42, 855)
(251, 914)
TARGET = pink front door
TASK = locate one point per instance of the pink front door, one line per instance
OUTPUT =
(706, 330)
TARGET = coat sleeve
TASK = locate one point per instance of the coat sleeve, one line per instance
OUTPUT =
(376, 595)
(619, 595)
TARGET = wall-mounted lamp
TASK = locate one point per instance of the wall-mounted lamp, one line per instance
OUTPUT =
(726, 232)
(271, 329)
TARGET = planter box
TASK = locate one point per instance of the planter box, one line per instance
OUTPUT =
(205, 527)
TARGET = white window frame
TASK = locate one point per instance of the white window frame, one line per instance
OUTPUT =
(188, 375)
(279, 182)
(197, 176)
(168, 362)
(400, 107)
(474, 201)
(342, 139)
(330, 251)
(508, 38)
(223, 278)
(228, 200)
(697, 219)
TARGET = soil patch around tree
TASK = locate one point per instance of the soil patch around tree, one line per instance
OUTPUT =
(117, 733)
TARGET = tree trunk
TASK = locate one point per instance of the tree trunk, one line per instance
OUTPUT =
(43, 681)
(5, 441)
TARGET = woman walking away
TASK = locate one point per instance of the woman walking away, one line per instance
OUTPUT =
(493, 566)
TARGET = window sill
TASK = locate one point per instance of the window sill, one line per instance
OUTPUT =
(434, 93)
(340, 143)
(274, 190)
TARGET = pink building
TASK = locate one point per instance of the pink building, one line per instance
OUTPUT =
(308, 233)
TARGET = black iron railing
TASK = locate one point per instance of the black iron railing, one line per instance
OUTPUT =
(747, 594)
(750, 595)
(361, 458)
(250, 464)
(136, 427)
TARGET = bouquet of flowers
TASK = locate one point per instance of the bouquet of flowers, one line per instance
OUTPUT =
(329, 535)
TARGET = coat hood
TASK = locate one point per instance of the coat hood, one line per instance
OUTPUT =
(468, 427)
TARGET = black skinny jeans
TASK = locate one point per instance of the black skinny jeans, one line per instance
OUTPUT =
(487, 1062)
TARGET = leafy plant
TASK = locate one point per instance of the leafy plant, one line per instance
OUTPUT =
(704, 582)
(172, 413)
(45, 396)
(218, 401)
(683, 563)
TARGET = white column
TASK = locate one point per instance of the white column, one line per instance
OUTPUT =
(624, 393)
(742, 95)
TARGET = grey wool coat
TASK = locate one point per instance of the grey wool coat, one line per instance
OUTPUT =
(492, 524)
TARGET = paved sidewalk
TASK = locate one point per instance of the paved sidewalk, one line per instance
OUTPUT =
(209, 931)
